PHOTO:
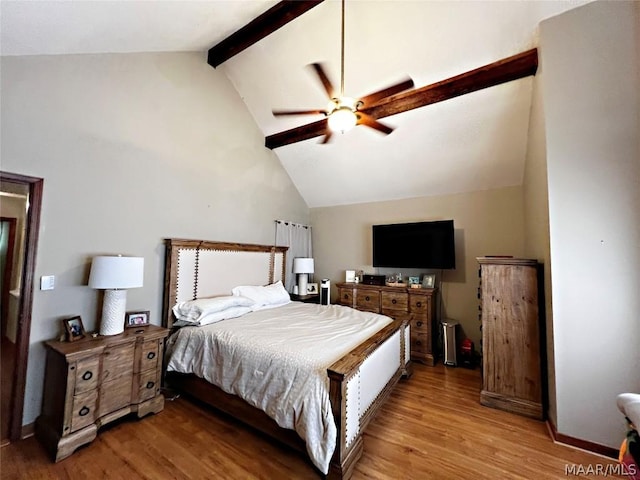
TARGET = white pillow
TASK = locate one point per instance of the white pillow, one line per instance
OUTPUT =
(273, 295)
(213, 317)
(193, 310)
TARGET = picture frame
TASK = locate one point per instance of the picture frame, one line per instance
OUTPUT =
(429, 280)
(74, 328)
(350, 276)
(312, 288)
(136, 319)
(414, 280)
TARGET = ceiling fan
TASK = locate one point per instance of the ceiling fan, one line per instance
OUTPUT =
(344, 113)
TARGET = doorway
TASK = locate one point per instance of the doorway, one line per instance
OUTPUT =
(20, 206)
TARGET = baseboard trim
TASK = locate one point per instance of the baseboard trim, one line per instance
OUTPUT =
(27, 431)
(581, 444)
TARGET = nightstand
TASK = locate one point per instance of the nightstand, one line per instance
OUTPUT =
(93, 381)
(310, 298)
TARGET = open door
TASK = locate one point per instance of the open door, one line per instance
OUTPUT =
(19, 295)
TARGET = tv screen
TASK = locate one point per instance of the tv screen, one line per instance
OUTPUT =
(414, 245)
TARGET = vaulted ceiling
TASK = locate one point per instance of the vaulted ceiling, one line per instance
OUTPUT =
(476, 141)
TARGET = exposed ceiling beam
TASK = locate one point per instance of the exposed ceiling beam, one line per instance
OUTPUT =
(502, 71)
(270, 21)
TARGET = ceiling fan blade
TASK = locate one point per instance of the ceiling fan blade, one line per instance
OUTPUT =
(326, 83)
(369, 121)
(373, 98)
(327, 137)
(278, 113)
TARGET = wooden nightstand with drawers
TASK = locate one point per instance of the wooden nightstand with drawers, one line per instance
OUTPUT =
(93, 381)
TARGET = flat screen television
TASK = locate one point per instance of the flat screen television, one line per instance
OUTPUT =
(415, 245)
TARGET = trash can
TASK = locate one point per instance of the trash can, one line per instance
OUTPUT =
(449, 341)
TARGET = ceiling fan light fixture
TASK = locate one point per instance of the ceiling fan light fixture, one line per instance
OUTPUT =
(342, 119)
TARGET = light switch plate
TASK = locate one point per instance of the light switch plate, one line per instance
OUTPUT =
(47, 282)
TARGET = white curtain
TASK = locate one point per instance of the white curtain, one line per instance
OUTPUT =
(298, 238)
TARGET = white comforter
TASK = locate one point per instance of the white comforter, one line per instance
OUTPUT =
(277, 361)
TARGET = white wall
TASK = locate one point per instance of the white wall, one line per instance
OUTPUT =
(536, 221)
(590, 58)
(133, 149)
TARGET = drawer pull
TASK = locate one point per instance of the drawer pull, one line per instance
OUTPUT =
(418, 304)
(346, 296)
(84, 411)
(418, 324)
(367, 298)
(418, 342)
(151, 355)
(150, 385)
(394, 301)
(87, 375)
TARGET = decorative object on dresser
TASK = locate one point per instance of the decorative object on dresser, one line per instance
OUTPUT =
(74, 328)
(93, 381)
(350, 276)
(312, 289)
(115, 274)
(136, 319)
(370, 279)
(429, 280)
(415, 304)
(513, 359)
(302, 267)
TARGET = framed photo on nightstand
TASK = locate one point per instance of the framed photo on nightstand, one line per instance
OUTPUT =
(312, 288)
(136, 319)
(74, 328)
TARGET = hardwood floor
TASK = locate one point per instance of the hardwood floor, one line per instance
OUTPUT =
(433, 427)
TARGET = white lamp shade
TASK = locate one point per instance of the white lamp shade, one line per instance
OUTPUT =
(113, 272)
(302, 265)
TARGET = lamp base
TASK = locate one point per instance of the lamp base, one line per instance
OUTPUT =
(113, 311)
(303, 278)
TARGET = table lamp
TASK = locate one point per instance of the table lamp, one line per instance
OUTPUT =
(302, 267)
(115, 274)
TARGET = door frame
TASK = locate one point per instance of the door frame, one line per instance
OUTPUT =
(32, 230)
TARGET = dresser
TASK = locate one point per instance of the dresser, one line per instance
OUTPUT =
(512, 335)
(415, 304)
(93, 381)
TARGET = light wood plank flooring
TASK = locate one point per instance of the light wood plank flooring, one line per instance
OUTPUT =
(433, 427)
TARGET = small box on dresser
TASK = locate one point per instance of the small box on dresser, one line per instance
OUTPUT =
(93, 381)
(415, 304)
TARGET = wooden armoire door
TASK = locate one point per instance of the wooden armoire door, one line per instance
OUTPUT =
(512, 359)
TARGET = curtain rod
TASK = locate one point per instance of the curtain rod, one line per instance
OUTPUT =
(293, 224)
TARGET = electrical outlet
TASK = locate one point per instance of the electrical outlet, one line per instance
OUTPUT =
(47, 282)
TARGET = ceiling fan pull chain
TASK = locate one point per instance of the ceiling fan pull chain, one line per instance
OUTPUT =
(342, 55)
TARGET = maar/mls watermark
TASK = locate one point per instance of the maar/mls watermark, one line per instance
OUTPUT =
(600, 469)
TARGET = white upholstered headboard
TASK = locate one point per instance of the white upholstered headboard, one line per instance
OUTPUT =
(200, 268)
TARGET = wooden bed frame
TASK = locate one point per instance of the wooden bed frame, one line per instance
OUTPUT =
(359, 382)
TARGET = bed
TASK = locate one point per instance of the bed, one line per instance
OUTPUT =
(353, 381)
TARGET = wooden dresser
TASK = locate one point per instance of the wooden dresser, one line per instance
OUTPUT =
(93, 381)
(512, 335)
(415, 304)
